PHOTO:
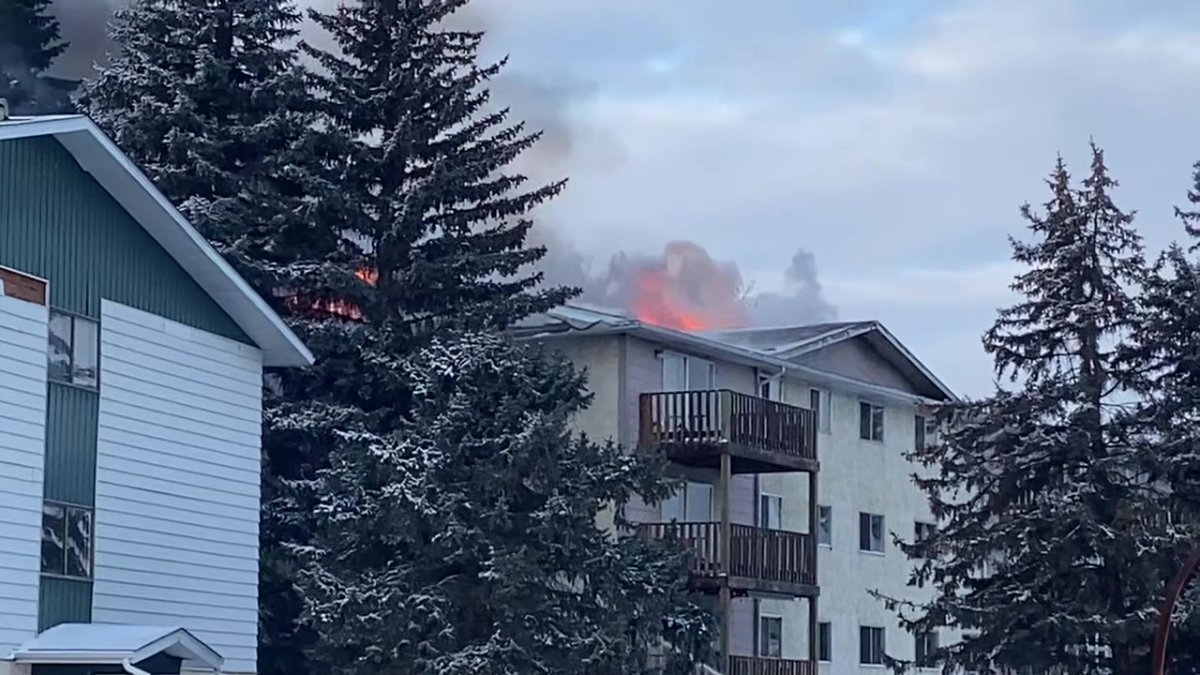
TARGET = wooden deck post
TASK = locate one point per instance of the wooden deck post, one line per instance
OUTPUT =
(726, 559)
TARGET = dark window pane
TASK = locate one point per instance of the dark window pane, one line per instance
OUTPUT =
(864, 532)
(919, 440)
(876, 423)
(864, 421)
(59, 350)
(824, 641)
(85, 362)
(79, 543)
(824, 525)
(53, 534)
(771, 637)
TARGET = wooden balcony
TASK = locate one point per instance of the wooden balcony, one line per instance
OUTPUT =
(695, 428)
(751, 665)
(760, 560)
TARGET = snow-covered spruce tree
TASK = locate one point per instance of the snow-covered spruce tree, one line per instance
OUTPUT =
(29, 44)
(1165, 350)
(465, 541)
(207, 100)
(221, 115)
(429, 179)
(1047, 552)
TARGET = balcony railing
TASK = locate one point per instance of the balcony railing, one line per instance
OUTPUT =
(773, 557)
(749, 665)
(720, 416)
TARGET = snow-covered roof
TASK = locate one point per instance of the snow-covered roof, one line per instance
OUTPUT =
(126, 183)
(767, 349)
(786, 338)
(98, 643)
(795, 341)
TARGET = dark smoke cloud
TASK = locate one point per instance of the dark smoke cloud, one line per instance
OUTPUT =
(84, 24)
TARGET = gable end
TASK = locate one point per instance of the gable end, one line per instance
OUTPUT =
(58, 223)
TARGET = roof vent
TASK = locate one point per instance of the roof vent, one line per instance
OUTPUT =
(3, 109)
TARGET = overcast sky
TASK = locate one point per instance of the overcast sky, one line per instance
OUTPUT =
(895, 139)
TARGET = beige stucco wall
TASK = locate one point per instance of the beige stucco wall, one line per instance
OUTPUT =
(856, 476)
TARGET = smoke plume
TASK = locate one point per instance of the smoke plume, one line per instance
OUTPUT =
(83, 24)
(682, 286)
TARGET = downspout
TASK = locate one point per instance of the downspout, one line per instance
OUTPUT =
(128, 667)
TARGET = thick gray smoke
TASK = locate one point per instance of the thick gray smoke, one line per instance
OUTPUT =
(683, 280)
(84, 24)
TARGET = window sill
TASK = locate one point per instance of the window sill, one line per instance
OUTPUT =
(827, 547)
(66, 577)
(877, 554)
(72, 385)
(877, 666)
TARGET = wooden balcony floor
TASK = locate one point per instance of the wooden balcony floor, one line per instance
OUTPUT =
(743, 458)
(761, 561)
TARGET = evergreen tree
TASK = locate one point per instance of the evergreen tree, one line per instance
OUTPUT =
(29, 44)
(205, 96)
(434, 203)
(1165, 350)
(213, 107)
(1048, 549)
(464, 541)
(207, 100)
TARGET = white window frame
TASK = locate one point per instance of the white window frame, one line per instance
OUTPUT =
(688, 361)
(820, 401)
(68, 509)
(682, 497)
(770, 387)
(764, 521)
(828, 543)
(864, 650)
(870, 538)
(73, 349)
(922, 639)
(874, 434)
(760, 648)
(827, 627)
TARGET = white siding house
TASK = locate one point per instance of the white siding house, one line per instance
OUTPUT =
(22, 437)
(131, 362)
(177, 481)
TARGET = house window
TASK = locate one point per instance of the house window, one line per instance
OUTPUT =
(870, 421)
(923, 531)
(687, 373)
(770, 512)
(870, 645)
(66, 540)
(770, 636)
(770, 388)
(925, 649)
(870, 533)
(74, 350)
(692, 504)
(825, 642)
(919, 433)
(818, 401)
(825, 526)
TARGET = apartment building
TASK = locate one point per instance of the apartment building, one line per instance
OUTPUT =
(131, 360)
(848, 395)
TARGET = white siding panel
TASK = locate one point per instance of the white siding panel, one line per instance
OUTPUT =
(22, 447)
(177, 481)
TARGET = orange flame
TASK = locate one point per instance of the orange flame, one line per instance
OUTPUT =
(687, 290)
